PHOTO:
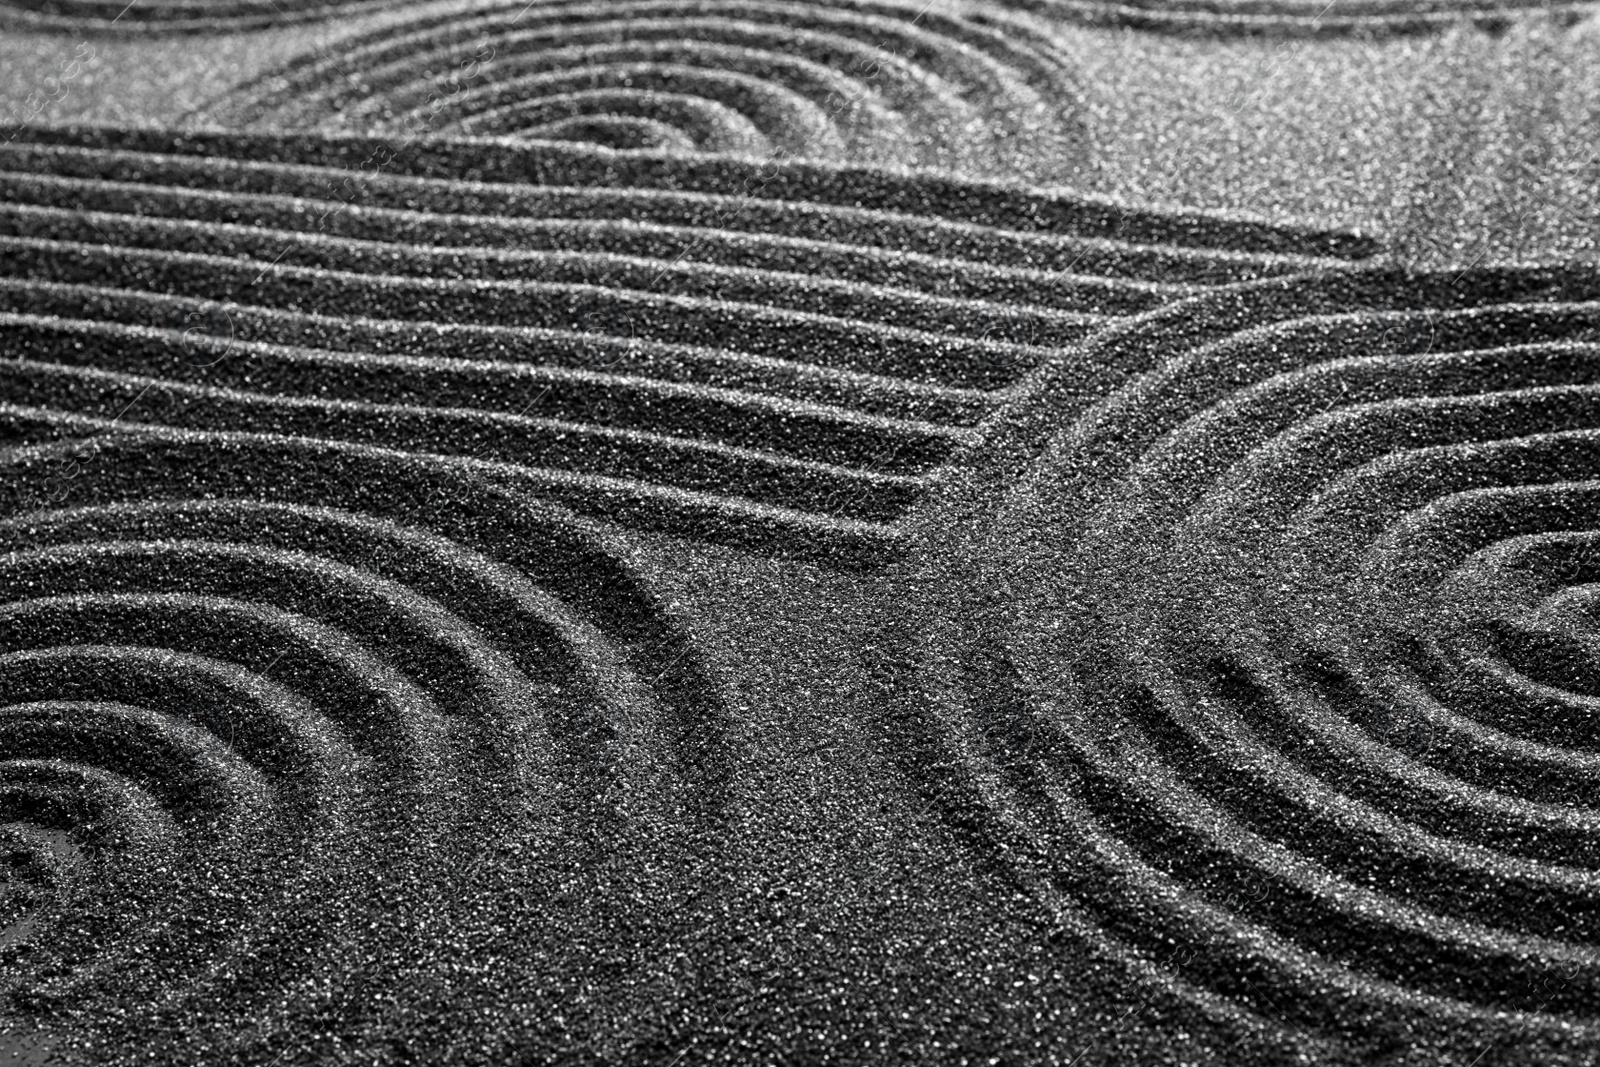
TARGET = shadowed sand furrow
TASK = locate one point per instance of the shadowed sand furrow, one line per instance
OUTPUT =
(515, 179)
(210, 329)
(944, 228)
(913, 354)
(909, 309)
(1298, 18)
(632, 239)
(840, 75)
(577, 397)
(261, 721)
(793, 375)
(546, 443)
(92, 17)
(1291, 700)
(645, 505)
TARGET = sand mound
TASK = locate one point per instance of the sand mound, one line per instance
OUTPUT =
(1281, 684)
(776, 369)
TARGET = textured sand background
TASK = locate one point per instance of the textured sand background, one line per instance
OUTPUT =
(1470, 140)
(1072, 546)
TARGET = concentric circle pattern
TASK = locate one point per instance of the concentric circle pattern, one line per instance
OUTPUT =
(870, 83)
(1287, 689)
(280, 722)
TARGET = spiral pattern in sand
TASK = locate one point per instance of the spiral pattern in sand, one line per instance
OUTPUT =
(1290, 694)
(279, 721)
(786, 368)
(855, 81)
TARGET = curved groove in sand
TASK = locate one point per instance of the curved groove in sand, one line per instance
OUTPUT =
(809, 354)
(264, 694)
(1296, 692)
(1299, 18)
(876, 83)
(88, 18)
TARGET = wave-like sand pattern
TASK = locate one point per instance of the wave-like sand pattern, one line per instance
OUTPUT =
(636, 113)
(787, 369)
(866, 83)
(1291, 703)
(1301, 18)
(277, 713)
(148, 17)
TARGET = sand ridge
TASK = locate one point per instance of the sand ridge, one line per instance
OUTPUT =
(680, 531)
(1298, 18)
(709, 382)
(858, 81)
(1266, 672)
(313, 719)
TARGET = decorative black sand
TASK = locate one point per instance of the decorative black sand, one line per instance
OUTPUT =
(1299, 18)
(853, 80)
(303, 710)
(683, 531)
(108, 18)
(1270, 674)
(777, 368)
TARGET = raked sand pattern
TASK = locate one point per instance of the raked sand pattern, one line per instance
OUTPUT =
(791, 79)
(1284, 692)
(1301, 18)
(263, 733)
(155, 18)
(685, 532)
(787, 368)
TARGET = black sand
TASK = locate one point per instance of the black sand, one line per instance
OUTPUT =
(682, 531)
